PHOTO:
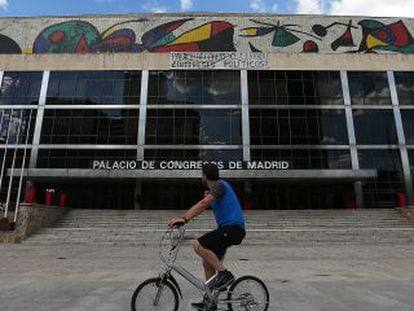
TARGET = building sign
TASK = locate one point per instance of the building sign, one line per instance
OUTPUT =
(187, 165)
(218, 60)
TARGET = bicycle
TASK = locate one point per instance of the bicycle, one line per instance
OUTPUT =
(162, 293)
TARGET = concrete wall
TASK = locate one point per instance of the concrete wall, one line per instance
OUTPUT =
(206, 33)
(31, 219)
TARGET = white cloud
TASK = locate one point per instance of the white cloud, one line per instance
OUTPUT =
(310, 6)
(159, 9)
(373, 8)
(258, 6)
(154, 7)
(186, 5)
(3, 4)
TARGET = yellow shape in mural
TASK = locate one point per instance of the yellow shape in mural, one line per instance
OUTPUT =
(374, 42)
(195, 35)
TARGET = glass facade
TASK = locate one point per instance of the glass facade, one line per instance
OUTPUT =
(302, 117)
(20, 88)
(94, 88)
(90, 126)
(369, 88)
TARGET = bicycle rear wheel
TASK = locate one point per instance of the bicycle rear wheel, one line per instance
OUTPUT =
(154, 295)
(248, 293)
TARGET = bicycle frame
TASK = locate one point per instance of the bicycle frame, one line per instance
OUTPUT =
(171, 265)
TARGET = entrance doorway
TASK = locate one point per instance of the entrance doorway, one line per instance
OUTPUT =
(91, 194)
(302, 195)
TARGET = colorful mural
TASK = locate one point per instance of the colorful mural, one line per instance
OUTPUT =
(83, 37)
(345, 40)
(198, 33)
(9, 46)
(209, 37)
(283, 35)
(393, 37)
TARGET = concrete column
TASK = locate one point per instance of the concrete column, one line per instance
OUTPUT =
(142, 114)
(39, 119)
(401, 138)
(351, 136)
(244, 86)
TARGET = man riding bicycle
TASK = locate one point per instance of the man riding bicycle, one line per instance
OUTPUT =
(229, 217)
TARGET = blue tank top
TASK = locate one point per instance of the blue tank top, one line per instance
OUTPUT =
(227, 209)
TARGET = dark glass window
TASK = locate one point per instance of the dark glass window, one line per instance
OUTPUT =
(287, 127)
(193, 127)
(295, 88)
(205, 155)
(306, 159)
(194, 88)
(15, 124)
(411, 158)
(20, 88)
(405, 87)
(369, 88)
(94, 88)
(375, 127)
(89, 126)
(65, 158)
(408, 122)
(289, 195)
(382, 191)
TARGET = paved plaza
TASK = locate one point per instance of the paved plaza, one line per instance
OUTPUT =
(98, 277)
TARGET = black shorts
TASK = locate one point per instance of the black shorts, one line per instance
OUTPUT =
(222, 238)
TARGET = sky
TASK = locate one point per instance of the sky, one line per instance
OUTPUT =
(400, 8)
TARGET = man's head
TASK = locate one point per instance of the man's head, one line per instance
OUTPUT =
(210, 173)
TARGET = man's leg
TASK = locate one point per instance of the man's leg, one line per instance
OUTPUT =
(208, 257)
(209, 271)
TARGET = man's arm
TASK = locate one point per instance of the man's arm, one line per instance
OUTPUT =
(199, 207)
(194, 211)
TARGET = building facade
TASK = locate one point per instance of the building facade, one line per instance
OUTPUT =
(119, 111)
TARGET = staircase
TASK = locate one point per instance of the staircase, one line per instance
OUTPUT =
(278, 227)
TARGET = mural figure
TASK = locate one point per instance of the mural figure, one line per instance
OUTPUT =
(216, 36)
(284, 35)
(310, 46)
(345, 40)
(378, 36)
(83, 37)
(9, 46)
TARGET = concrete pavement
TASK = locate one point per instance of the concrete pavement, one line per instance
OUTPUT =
(323, 277)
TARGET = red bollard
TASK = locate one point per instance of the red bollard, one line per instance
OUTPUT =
(49, 197)
(31, 195)
(401, 199)
(63, 199)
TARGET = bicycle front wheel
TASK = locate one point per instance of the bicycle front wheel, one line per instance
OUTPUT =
(248, 293)
(154, 295)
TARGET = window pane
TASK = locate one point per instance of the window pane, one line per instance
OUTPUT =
(94, 88)
(405, 87)
(205, 155)
(20, 88)
(15, 124)
(382, 191)
(63, 158)
(194, 88)
(295, 88)
(285, 127)
(306, 159)
(375, 127)
(369, 88)
(408, 122)
(112, 126)
(193, 127)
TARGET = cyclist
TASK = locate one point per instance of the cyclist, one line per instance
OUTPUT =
(229, 217)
